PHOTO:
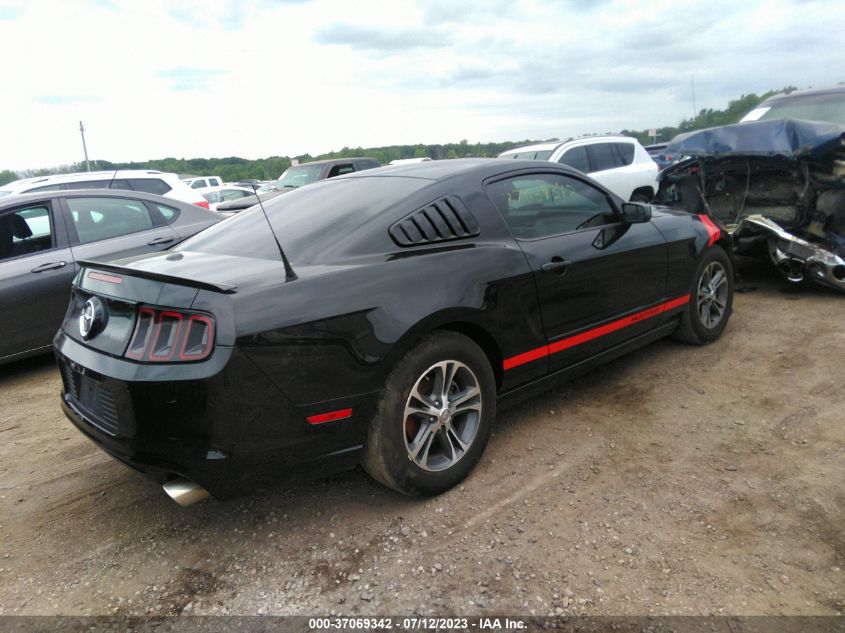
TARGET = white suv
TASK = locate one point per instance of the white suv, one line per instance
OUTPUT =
(149, 181)
(619, 163)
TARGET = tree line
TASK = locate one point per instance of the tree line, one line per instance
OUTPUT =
(233, 168)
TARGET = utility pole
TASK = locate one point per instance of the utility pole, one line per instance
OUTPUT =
(694, 110)
(84, 148)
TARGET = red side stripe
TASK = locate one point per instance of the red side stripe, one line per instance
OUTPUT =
(331, 416)
(589, 335)
(712, 229)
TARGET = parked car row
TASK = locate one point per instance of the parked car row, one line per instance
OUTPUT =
(43, 235)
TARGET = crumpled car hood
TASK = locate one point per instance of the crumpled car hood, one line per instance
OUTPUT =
(789, 138)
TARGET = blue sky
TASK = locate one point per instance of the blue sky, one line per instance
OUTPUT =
(258, 78)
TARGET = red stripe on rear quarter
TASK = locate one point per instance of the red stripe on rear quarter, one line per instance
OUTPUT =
(331, 416)
(594, 333)
(712, 230)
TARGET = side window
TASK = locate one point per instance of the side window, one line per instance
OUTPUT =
(214, 182)
(102, 218)
(601, 156)
(577, 158)
(198, 184)
(150, 185)
(339, 170)
(25, 231)
(167, 213)
(626, 152)
(540, 205)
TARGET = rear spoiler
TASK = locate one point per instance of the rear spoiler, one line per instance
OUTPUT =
(145, 274)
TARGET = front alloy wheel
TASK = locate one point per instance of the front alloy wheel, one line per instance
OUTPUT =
(712, 294)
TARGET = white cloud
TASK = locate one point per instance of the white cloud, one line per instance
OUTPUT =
(264, 77)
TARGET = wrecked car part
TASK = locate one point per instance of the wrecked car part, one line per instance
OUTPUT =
(797, 260)
(787, 175)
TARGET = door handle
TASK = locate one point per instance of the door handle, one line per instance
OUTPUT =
(51, 266)
(557, 265)
(160, 240)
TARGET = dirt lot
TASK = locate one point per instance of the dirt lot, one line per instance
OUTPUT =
(678, 480)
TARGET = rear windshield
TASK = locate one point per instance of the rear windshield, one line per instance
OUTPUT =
(308, 221)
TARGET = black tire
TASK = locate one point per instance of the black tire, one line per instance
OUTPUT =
(693, 327)
(390, 441)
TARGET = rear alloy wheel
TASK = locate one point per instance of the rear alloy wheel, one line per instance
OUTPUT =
(711, 299)
(434, 417)
(442, 416)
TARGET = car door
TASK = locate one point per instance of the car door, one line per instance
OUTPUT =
(595, 275)
(36, 270)
(112, 227)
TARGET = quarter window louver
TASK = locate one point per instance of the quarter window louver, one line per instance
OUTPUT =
(441, 221)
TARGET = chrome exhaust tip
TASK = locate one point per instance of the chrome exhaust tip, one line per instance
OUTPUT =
(184, 491)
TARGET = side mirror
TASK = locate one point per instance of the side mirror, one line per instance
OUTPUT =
(635, 213)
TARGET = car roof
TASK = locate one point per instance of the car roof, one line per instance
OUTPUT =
(14, 200)
(86, 175)
(438, 170)
(553, 145)
(330, 161)
(797, 94)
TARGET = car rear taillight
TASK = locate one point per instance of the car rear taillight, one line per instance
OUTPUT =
(170, 336)
(203, 204)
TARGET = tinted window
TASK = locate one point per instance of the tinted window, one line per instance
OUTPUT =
(198, 184)
(83, 184)
(101, 218)
(308, 221)
(601, 156)
(150, 185)
(214, 182)
(577, 158)
(540, 205)
(25, 231)
(339, 170)
(626, 152)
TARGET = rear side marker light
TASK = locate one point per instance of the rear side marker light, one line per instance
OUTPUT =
(203, 204)
(331, 416)
(163, 336)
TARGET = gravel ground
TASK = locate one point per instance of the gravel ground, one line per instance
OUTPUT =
(677, 480)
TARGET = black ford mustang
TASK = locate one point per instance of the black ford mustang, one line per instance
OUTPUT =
(376, 318)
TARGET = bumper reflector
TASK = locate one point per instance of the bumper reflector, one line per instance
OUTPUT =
(331, 416)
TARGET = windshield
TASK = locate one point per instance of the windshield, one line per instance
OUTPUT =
(826, 107)
(542, 154)
(299, 175)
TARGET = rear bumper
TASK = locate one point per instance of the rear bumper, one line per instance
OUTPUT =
(228, 432)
